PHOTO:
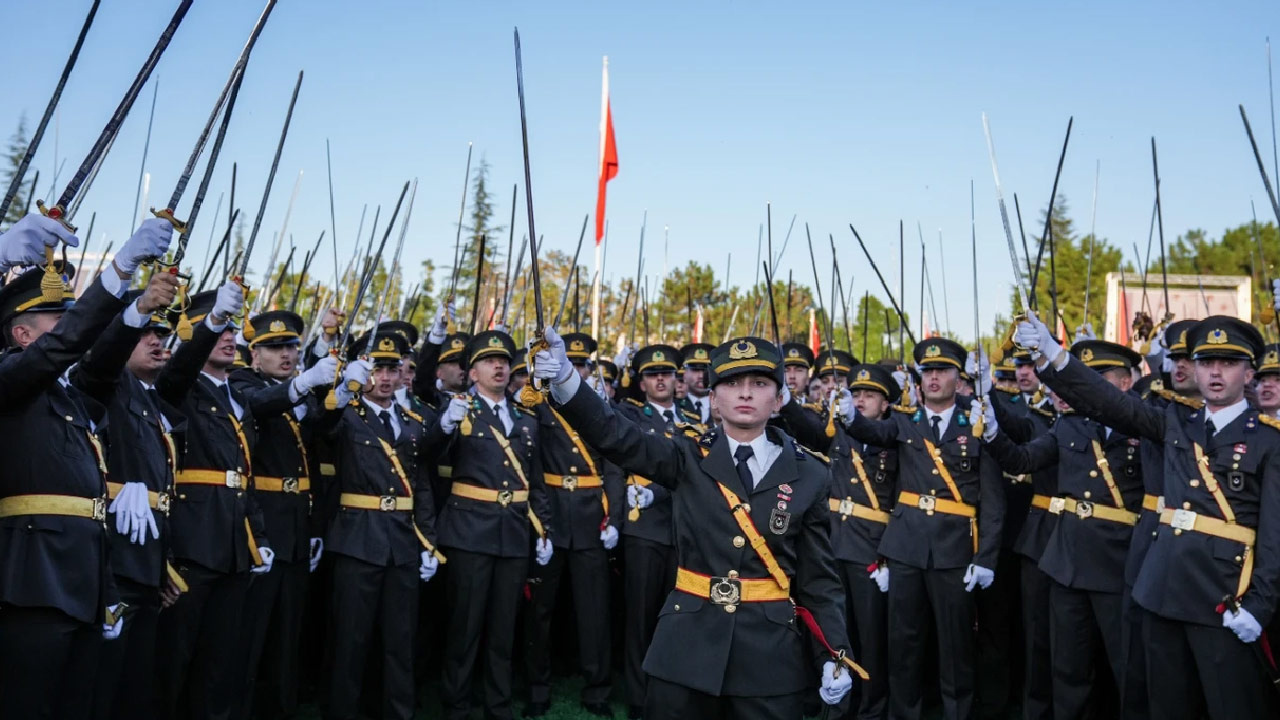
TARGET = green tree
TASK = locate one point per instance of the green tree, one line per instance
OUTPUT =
(13, 155)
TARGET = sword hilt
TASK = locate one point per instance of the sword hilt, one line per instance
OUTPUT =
(246, 328)
(331, 399)
(534, 391)
(57, 212)
(179, 226)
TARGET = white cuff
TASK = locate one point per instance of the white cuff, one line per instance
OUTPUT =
(564, 392)
(112, 282)
(208, 322)
(133, 317)
(1061, 361)
(435, 339)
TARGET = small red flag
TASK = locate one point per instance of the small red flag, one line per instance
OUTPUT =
(815, 341)
(608, 153)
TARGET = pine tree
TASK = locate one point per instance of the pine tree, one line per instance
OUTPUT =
(13, 158)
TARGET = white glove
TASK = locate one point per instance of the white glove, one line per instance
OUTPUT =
(1036, 337)
(542, 551)
(977, 364)
(987, 411)
(230, 299)
(318, 375)
(454, 413)
(25, 242)
(622, 358)
(881, 576)
(133, 513)
(112, 631)
(149, 241)
(639, 497)
(848, 410)
(440, 328)
(786, 395)
(902, 378)
(429, 565)
(595, 382)
(552, 364)
(1275, 293)
(1085, 332)
(1243, 624)
(834, 687)
(1167, 365)
(357, 371)
(978, 576)
(317, 550)
(268, 556)
(609, 536)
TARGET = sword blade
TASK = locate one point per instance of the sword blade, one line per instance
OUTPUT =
(1004, 218)
(271, 176)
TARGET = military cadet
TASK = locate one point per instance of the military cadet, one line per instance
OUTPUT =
(408, 365)
(609, 373)
(519, 373)
(218, 537)
(441, 363)
(649, 560)
(729, 645)
(832, 368)
(57, 598)
(1100, 491)
(141, 461)
(282, 472)
(943, 537)
(863, 489)
(380, 527)
(798, 359)
(497, 510)
(586, 511)
(695, 360)
(1208, 584)
(1267, 381)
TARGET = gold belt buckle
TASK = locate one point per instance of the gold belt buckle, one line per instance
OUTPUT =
(162, 503)
(1084, 509)
(570, 482)
(1183, 520)
(100, 509)
(505, 497)
(290, 485)
(927, 503)
(1057, 505)
(725, 591)
(234, 480)
(846, 506)
(387, 503)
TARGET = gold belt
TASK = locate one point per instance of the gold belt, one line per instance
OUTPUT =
(573, 482)
(385, 503)
(1084, 509)
(157, 501)
(847, 507)
(293, 485)
(931, 504)
(68, 505)
(1044, 502)
(227, 478)
(1153, 503)
(502, 497)
(1181, 520)
(729, 590)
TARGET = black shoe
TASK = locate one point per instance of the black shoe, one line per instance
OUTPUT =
(536, 709)
(635, 712)
(598, 709)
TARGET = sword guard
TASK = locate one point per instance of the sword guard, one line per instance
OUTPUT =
(57, 212)
(247, 327)
(178, 225)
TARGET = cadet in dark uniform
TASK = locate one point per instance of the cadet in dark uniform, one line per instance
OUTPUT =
(751, 504)
(218, 535)
(798, 359)
(609, 373)
(379, 529)
(1100, 485)
(586, 511)
(1209, 581)
(944, 531)
(1267, 381)
(141, 461)
(649, 559)
(519, 373)
(832, 368)
(276, 601)
(498, 509)
(863, 488)
(57, 598)
(695, 360)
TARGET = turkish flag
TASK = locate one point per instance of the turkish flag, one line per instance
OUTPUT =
(815, 341)
(608, 153)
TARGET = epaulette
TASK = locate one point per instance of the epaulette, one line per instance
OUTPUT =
(801, 450)
(705, 441)
(412, 415)
(814, 406)
(1269, 420)
(1046, 412)
(1009, 388)
(693, 430)
(634, 402)
(1172, 396)
(904, 408)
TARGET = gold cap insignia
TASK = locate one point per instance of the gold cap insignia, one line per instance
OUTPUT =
(577, 346)
(743, 350)
(933, 351)
(864, 375)
(1271, 358)
(793, 353)
(457, 344)
(277, 326)
(1087, 355)
(700, 354)
(659, 356)
(1217, 337)
(1182, 337)
(495, 341)
(386, 344)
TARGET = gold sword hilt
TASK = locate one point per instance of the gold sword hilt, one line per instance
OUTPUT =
(246, 328)
(179, 226)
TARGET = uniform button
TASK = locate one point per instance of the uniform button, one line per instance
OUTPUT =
(1093, 473)
(1177, 532)
(935, 471)
(730, 609)
(504, 483)
(739, 541)
(1239, 559)
(1195, 483)
(1086, 495)
(69, 418)
(575, 451)
(1154, 533)
(676, 608)
(506, 463)
(213, 409)
(733, 574)
(1235, 456)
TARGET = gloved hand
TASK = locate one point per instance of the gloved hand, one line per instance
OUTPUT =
(786, 395)
(112, 631)
(230, 299)
(268, 556)
(553, 363)
(834, 687)
(881, 576)
(1167, 365)
(317, 551)
(1243, 624)
(133, 513)
(1036, 337)
(440, 328)
(978, 365)
(848, 410)
(978, 576)
(595, 382)
(357, 372)
(623, 358)
(149, 241)
(1275, 293)
(609, 537)
(453, 413)
(542, 551)
(1085, 332)
(429, 566)
(318, 375)
(986, 408)
(24, 243)
(639, 497)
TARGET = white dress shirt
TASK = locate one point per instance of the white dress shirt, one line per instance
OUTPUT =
(762, 457)
(1226, 415)
(500, 407)
(378, 410)
(946, 419)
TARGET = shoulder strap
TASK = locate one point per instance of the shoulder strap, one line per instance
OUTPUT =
(408, 490)
(757, 541)
(1104, 467)
(862, 476)
(1211, 483)
(936, 456)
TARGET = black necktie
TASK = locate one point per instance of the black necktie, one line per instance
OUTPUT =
(697, 406)
(385, 417)
(671, 419)
(1209, 428)
(744, 473)
(937, 427)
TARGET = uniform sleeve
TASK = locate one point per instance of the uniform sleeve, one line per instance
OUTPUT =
(266, 401)
(1018, 426)
(183, 369)
(881, 433)
(424, 381)
(615, 491)
(806, 425)
(990, 514)
(1020, 458)
(1264, 588)
(817, 583)
(621, 441)
(539, 497)
(424, 506)
(1088, 393)
(98, 372)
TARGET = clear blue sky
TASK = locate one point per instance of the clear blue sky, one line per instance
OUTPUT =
(837, 111)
